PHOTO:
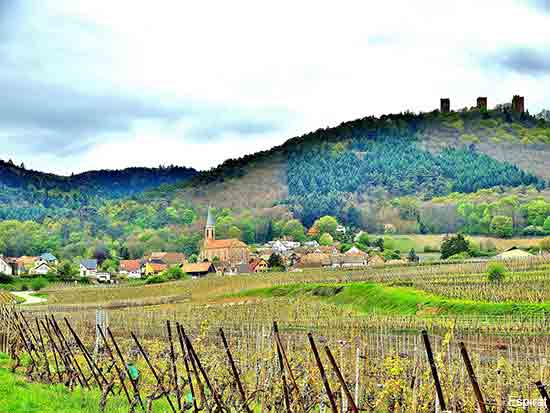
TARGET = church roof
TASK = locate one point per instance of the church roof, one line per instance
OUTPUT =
(224, 243)
(210, 222)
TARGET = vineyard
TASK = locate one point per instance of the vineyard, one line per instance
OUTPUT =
(6, 298)
(343, 341)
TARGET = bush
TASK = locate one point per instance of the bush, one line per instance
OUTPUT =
(502, 226)
(156, 279)
(326, 239)
(24, 287)
(38, 283)
(174, 273)
(454, 245)
(464, 255)
(430, 248)
(391, 255)
(496, 271)
(5, 278)
(326, 291)
(533, 230)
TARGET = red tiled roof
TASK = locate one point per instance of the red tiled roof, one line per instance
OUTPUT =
(158, 267)
(170, 258)
(224, 243)
(130, 265)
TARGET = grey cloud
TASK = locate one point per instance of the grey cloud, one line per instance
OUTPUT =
(61, 120)
(52, 100)
(523, 60)
(541, 5)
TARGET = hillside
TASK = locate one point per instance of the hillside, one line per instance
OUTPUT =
(426, 155)
(474, 171)
(27, 194)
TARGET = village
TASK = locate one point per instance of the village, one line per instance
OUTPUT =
(232, 256)
(217, 256)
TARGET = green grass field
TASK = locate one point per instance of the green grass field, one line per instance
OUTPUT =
(376, 298)
(19, 396)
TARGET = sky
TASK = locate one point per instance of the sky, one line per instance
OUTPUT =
(93, 84)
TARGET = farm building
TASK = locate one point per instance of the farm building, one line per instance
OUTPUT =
(514, 253)
(199, 269)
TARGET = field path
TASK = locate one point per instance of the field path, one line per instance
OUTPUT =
(29, 299)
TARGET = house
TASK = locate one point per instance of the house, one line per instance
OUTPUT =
(199, 269)
(152, 268)
(130, 268)
(41, 268)
(313, 232)
(315, 260)
(376, 260)
(88, 268)
(25, 264)
(49, 259)
(230, 252)
(5, 266)
(514, 253)
(354, 257)
(258, 265)
(172, 259)
(340, 229)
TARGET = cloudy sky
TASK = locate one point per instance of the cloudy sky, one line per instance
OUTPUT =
(89, 84)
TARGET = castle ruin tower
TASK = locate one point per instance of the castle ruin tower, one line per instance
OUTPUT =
(482, 103)
(210, 229)
(518, 104)
(445, 105)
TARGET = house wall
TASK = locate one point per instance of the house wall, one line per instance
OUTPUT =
(231, 255)
(5, 268)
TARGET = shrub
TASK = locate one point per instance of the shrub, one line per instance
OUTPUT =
(174, 273)
(156, 279)
(430, 248)
(24, 287)
(326, 291)
(5, 278)
(391, 254)
(326, 239)
(38, 283)
(460, 256)
(502, 226)
(496, 271)
(454, 245)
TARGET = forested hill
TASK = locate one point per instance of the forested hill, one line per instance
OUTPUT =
(426, 155)
(32, 195)
(481, 172)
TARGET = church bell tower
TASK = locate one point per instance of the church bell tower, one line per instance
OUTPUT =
(209, 230)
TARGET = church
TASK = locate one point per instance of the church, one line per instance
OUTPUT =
(229, 252)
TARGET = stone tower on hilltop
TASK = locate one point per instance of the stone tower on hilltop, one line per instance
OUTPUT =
(445, 105)
(518, 104)
(482, 103)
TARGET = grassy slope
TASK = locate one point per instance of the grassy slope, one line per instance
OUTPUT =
(370, 298)
(18, 396)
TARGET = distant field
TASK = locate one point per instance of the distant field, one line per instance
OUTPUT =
(418, 241)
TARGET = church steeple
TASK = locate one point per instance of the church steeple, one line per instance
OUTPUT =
(210, 229)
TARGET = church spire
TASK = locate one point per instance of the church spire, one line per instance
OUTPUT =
(209, 231)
